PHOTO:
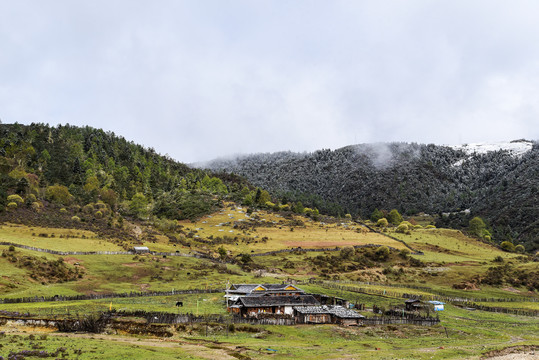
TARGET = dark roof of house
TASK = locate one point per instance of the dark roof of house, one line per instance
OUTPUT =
(337, 310)
(264, 301)
(411, 301)
(248, 288)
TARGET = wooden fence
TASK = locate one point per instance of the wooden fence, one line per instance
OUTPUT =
(461, 302)
(106, 296)
(170, 318)
(383, 320)
(300, 249)
(438, 295)
(56, 252)
(414, 251)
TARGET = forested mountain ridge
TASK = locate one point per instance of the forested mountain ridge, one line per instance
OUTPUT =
(68, 166)
(502, 185)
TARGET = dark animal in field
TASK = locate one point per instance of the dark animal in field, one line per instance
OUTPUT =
(179, 303)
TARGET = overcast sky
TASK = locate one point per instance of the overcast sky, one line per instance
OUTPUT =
(202, 79)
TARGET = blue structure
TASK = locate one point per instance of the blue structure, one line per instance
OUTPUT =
(438, 305)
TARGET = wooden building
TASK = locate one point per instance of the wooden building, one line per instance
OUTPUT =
(251, 306)
(238, 290)
(327, 314)
(141, 249)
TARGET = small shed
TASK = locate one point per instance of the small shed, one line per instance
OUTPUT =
(141, 249)
(438, 305)
(413, 305)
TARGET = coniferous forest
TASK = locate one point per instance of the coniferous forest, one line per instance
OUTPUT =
(68, 166)
(500, 187)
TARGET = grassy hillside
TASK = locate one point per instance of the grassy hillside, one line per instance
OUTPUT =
(499, 186)
(450, 258)
(74, 201)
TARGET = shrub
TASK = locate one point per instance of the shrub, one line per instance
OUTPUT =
(37, 206)
(508, 246)
(63, 210)
(15, 198)
(75, 218)
(12, 206)
(376, 215)
(394, 217)
(382, 252)
(430, 227)
(402, 228)
(98, 214)
(477, 226)
(58, 194)
(520, 249)
(382, 222)
(404, 253)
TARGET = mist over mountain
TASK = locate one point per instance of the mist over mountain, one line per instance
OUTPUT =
(499, 182)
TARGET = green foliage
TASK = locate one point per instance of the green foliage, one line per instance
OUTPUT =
(87, 164)
(138, 205)
(298, 208)
(222, 253)
(507, 246)
(402, 228)
(15, 198)
(382, 222)
(376, 215)
(58, 194)
(245, 258)
(476, 226)
(520, 249)
(12, 205)
(382, 253)
(394, 217)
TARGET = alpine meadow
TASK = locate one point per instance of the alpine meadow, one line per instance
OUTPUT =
(385, 251)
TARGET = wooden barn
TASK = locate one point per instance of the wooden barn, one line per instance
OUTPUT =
(251, 306)
(327, 314)
(238, 290)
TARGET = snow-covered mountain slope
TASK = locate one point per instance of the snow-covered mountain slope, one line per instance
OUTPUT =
(516, 148)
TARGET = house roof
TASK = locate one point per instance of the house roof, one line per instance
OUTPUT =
(141, 248)
(411, 301)
(336, 310)
(253, 288)
(434, 302)
(264, 301)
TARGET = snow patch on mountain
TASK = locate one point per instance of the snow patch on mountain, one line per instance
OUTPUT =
(516, 148)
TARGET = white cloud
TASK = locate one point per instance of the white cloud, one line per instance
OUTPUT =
(199, 80)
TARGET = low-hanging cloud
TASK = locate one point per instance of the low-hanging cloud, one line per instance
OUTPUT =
(199, 80)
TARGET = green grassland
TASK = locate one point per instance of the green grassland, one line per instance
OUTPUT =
(282, 233)
(462, 334)
(449, 258)
(55, 239)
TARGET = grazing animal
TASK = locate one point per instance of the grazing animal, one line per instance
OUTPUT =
(179, 303)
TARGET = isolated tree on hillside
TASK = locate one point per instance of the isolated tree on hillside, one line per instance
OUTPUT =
(138, 205)
(376, 215)
(394, 217)
(477, 226)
